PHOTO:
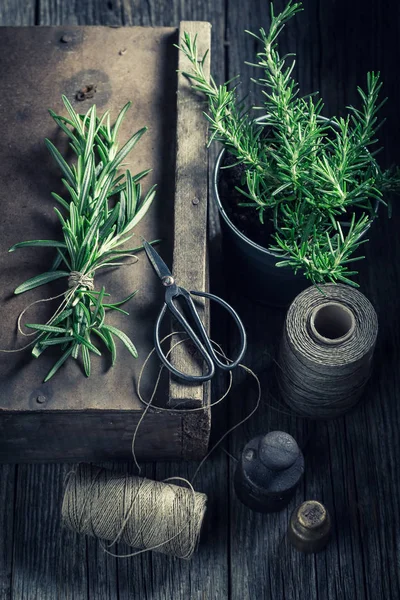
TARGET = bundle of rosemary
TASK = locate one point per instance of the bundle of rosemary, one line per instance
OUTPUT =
(305, 174)
(103, 207)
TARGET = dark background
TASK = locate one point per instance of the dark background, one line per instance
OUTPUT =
(352, 464)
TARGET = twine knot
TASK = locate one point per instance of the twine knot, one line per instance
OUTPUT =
(77, 279)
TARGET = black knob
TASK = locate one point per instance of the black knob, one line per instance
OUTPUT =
(310, 527)
(269, 471)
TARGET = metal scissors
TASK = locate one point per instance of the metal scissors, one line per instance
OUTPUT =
(198, 335)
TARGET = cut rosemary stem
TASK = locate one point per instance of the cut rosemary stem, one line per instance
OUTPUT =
(98, 214)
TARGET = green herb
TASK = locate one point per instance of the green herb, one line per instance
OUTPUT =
(97, 219)
(304, 173)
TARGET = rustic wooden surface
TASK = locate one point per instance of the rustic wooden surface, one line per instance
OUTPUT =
(190, 211)
(351, 464)
(72, 417)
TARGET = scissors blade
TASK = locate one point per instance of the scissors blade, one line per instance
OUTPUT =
(156, 261)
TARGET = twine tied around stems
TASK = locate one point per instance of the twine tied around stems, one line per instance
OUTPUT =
(77, 280)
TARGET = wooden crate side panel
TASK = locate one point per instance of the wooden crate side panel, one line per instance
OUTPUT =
(95, 435)
(191, 199)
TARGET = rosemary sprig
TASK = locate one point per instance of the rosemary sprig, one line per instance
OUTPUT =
(302, 172)
(97, 219)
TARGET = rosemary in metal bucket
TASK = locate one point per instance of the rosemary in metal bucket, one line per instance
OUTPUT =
(97, 219)
(303, 175)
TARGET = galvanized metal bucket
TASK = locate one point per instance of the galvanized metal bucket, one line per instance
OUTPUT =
(253, 266)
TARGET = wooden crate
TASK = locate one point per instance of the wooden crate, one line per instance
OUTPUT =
(73, 417)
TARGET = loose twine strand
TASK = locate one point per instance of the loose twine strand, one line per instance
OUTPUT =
(145, 514)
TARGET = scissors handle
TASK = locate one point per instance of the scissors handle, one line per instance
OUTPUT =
(202, 342)
(185, 376)
(243, 340)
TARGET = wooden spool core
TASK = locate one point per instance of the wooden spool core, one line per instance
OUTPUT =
(332, 323)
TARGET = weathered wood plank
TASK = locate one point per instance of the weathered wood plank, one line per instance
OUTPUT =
(190, 262)
(154, 104)
(49, 561)
(145, 13)
(61, 72)
(17, 12)
(350, 463)
(206, 575)
(8, 476)
(12, 12)
(92, 12)
(73, 436)
(146, 576)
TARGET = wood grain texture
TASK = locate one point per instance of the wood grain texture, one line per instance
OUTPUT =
(154, 104)
(206, 576)
(64, 68)
(149, 577)
(349, 462)
(191, 200)
(49, 562)
(14, 13)
(8, 477)
(76, 436)
(17, 12)
(146, 13)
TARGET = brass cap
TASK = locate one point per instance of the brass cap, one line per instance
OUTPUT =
(309, 527)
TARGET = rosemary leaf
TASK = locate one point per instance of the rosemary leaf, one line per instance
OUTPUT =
(38, 244)
(58, 364)
(38, 280)
(123, 337)
(101, 209)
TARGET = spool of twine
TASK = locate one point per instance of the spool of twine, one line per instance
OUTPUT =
(145, 514)
(326, 350)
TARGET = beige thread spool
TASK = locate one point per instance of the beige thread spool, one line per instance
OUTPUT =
(326, 350)
(145, 514)
(92, 499)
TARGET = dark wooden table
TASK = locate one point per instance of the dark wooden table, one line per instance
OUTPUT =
(352, 464)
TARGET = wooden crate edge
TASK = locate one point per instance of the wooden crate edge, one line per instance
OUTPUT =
(190, 254)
